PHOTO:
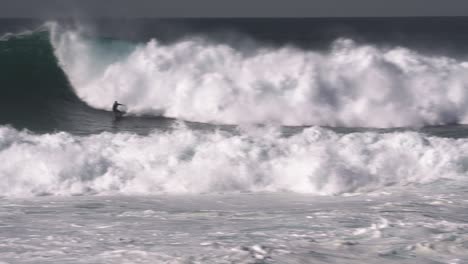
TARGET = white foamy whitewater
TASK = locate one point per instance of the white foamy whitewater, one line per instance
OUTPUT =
(195, 79)
(315, 161)
(248, 196)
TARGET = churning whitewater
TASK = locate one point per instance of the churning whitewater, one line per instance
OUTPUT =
(316, 161)
(198, 80)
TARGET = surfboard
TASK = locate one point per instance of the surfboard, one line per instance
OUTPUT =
(122, 108)
(123, 111)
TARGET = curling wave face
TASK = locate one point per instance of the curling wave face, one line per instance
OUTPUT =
(197, 80)
(315, 161)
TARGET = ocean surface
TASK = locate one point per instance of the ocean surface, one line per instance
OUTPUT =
(306, 140)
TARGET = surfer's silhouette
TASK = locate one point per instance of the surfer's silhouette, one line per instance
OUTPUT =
(115, 109)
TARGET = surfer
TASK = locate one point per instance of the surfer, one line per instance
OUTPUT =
(115, 109)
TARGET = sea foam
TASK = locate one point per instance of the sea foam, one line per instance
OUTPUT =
(315, 161)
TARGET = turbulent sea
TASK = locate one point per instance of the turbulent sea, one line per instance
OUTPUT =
(246, 141)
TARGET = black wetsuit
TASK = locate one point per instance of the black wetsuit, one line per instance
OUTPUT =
(115, 109)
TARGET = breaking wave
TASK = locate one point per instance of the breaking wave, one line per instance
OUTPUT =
(315, 161)
(194, 79)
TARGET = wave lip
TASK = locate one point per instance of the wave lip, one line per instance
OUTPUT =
(194, 79)
(351, 85)
(316, 161)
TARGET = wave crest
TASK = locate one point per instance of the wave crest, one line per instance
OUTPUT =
(351, 85)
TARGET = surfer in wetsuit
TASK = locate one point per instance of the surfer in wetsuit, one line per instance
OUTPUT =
(115, 109)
